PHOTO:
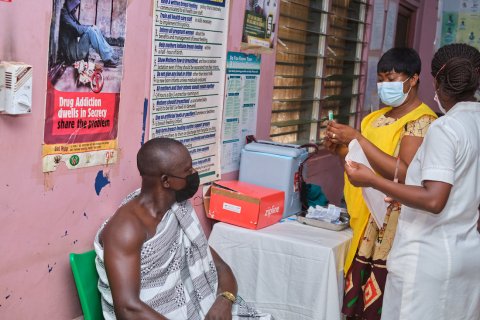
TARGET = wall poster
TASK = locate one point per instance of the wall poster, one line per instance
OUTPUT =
(460, 22)
(188, 71)
(241, 104)
(83, 85)
(259, 24)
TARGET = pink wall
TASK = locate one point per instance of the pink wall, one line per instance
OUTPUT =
(44, 217)
(425, 29)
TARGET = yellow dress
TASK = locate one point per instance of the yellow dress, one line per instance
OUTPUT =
(387, 138)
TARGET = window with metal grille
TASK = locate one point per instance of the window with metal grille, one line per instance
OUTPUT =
(318, 65)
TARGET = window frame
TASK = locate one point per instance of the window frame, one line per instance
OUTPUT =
(320, 95)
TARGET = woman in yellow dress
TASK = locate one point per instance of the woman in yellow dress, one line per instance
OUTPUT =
(390, 138)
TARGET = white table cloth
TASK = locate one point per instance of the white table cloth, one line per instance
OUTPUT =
(290, 270)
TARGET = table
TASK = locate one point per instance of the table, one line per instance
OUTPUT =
(290, 270)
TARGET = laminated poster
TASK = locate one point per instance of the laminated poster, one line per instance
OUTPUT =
(241, 104)
(83, 86)
(460, 22)
(188, 71)
(259, 24)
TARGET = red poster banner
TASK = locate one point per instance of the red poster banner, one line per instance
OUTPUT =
(88, 116)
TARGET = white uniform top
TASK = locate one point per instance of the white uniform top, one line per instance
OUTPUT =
(434, 263)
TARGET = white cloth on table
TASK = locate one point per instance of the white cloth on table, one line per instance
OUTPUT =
(434, 263)
(291, 270)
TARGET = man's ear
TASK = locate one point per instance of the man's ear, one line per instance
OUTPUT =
(165, 181)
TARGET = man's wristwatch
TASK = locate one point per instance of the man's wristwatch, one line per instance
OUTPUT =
(229, 296)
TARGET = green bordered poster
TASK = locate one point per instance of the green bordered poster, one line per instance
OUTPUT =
(460, 22)
(188, 71)
(241, 105)
(259, 24)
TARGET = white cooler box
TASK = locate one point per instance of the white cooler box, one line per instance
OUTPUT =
(274, 165)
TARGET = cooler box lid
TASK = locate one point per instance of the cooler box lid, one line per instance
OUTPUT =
(288, 150)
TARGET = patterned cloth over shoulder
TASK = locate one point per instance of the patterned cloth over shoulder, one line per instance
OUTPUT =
(178, 275)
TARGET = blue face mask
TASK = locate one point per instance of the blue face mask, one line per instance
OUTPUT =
(391, 93)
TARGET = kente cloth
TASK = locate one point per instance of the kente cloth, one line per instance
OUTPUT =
(178, 276)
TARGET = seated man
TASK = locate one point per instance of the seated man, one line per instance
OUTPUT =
(75, 39)
(153, 258)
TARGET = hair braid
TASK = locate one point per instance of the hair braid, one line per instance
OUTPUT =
(456, 68)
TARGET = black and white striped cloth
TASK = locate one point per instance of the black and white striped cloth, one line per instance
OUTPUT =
(178, 276)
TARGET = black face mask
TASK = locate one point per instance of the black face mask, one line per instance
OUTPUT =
(193, 182)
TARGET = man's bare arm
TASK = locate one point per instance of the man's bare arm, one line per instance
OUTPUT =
(222, 308)
(122, 239)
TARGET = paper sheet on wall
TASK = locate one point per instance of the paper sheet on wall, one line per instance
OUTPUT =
(374, 199)
(259, 25)
(188, 72)
(460, 22)
(240, 111)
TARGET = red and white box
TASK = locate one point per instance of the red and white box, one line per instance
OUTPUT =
(245, 204)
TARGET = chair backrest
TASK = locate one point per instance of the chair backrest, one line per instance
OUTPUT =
(86, 280)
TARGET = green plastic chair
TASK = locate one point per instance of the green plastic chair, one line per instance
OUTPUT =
(86, 280)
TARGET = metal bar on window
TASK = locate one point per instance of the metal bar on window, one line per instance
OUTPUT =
(289, 123)
(289, 87)
(293, 64)
(289, 110)
(295, 18)
(287, 100)
(292, 76)
(305, 54)
(306, 6)
(284, 39)
(304, 30)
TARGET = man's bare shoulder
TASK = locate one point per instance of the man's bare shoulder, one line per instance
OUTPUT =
(125, 227)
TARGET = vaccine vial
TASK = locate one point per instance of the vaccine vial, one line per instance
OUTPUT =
(330, 115)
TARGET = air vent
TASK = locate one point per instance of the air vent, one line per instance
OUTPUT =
(8, 80)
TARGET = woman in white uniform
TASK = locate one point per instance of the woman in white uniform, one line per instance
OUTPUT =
(434, 264)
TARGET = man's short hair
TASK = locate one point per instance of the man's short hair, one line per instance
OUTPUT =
(156, 156)
(400, 60)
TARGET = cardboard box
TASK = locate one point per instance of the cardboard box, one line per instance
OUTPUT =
(245, 205)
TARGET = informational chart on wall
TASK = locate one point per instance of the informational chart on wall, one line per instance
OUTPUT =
(460, 22)
(188, 75)
(241, 104)
(83, 86)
